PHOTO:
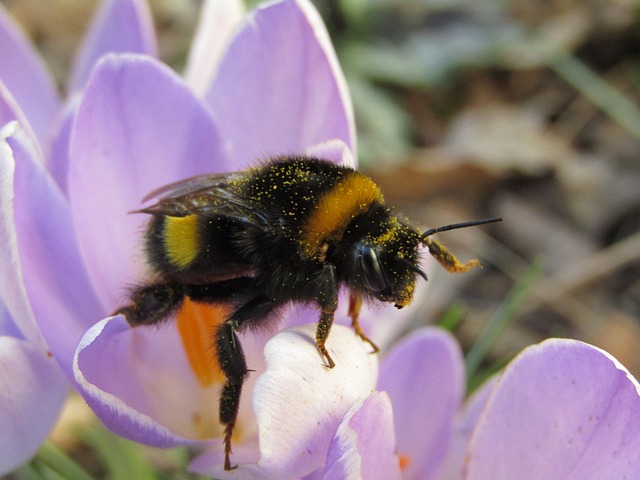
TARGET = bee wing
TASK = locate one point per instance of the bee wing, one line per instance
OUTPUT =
(190, 185)
(208, 195)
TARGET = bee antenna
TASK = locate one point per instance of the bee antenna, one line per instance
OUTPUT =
(455, 226)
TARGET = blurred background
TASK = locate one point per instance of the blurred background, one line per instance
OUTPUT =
(466, 109)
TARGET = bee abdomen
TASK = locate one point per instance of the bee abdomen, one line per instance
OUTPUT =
(173, 243)
(181, 240)
(195, 249)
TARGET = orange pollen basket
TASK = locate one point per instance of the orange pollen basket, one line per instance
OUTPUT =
(197, 324)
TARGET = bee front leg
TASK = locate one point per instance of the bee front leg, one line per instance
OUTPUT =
(355, 303)
(448, 260)
(327, 299)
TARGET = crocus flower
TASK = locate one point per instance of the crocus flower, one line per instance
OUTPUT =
(130, 126)
(560, 409)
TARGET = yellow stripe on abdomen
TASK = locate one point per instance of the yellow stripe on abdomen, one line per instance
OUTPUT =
(350, 197)
(181, 240)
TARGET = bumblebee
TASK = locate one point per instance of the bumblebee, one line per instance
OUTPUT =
(295, 229)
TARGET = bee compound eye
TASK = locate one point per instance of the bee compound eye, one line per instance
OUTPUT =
(372, 269)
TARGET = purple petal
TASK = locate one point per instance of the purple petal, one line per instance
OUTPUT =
(8, 327)
(562, 409)
(120, 26)
(218, 19)
(32, 390)
(384, 323)
(58, 154)
(138, 127)
(138, 381)
(12, 291)
(463, 427)
(54, 278)
(10, 111)
(299, 403)
(279, 88)
(364, 444)
(424, 377)
(141, 385)
(334, 150)
(210, 462)
(25, 75)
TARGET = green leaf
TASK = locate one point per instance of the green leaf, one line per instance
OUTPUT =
(453, 316)
(123, 458)
(51, 463)
(616, 105)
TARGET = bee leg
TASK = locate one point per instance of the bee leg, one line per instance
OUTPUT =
(446, 259)
(355, 303)
(328, 302)
(234, 366)
(153, 303)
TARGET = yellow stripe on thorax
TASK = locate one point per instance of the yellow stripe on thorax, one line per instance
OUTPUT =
(351, 196)
(181, 239)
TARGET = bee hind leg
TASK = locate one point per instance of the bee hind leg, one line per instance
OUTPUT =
(151, 304)
(234, 366)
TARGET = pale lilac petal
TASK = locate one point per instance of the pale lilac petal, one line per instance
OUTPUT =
(279, 88)
(57, 158)
(364, 444)
(299, 402)
(424, 376)
(463, 426)
(12, 292)
(333, 150)
(139, 382)
(23, 72)
(10, 111)
(32, 390)
(7, 326)
(42, 277)
(54, 276)
(217, 21)
(120, 26)
(562, 409)
(297, 426)
(138, 127)
(384, 323)
(245, 447)
(210, 462)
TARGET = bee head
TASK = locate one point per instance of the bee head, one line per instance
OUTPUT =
(389, 262)
(389, 265)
